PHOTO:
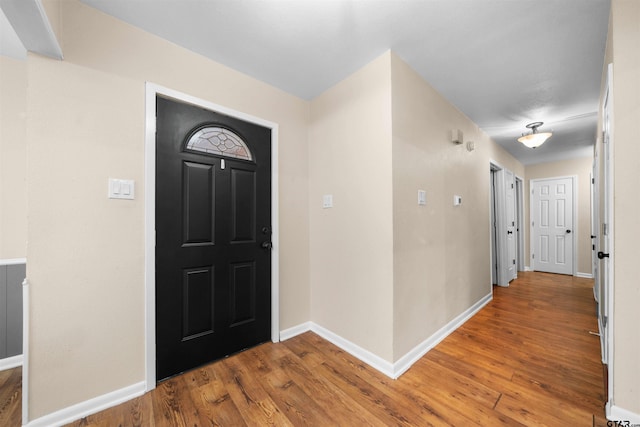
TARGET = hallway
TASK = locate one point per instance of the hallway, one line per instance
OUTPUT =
(527, 358)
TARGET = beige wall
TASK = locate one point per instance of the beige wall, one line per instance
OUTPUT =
(439, 270)
(581, 168)
(13, 158)
(626, 152)
(86, 118)
(351, 243)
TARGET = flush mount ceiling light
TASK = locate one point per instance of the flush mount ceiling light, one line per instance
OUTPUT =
(534, 139)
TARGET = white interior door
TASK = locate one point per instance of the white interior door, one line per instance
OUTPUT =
(605, 241)
(510, 210)
(552, 225)
(595, 224)
(503, 226)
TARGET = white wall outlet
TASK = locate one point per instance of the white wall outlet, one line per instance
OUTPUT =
(422, 197)
(457, 200)
(121, 189)
(327, 201)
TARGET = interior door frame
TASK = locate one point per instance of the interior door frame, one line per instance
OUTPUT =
(574, 219)
(607, 240)
(520, 223)
(151, 91)
(501, 225)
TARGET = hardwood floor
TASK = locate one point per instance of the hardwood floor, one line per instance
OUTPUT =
(526, 359)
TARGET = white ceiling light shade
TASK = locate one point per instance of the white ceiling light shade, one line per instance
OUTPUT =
(535, 138)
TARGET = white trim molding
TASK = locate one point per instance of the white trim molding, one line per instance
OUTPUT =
(13, 261)
(151, 91)
(392, 370)
(10, 362)
(406, 361)
(616, 413)
(89, 407)
(355, 350)
(295, 330)
(584, 275)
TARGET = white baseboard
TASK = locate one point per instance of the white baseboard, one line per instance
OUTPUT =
(527, 268)
(10, 362)
(616, 413)
(296, 330)
(406, 361)
(88, 407)
(392, 370)
(355, 350)
(584, 275)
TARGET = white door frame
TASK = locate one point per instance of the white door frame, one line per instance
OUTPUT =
(520, 223)
(152, 90)
(608, 238)
(574, 204)
(501, 227)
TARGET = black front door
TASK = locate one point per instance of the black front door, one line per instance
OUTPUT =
(213, 232)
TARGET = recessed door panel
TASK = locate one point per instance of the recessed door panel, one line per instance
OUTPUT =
(243, 202)
(544, 213)
(561, 250)
(197, 302)
(561, 216)
(198, 203)
(544, 249)
(243, 293)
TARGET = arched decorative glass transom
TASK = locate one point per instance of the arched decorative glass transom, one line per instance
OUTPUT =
(219, 142)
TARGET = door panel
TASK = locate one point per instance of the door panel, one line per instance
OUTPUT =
(552, 225)
(198, 304)
(243, 199)
(199, 203)
(213, 278)
(243, 293)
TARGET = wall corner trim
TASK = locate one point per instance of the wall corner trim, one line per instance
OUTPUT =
(88, 407)
(10, 362)
(392, 370)
(616, 413)
(295, 330)
(406, 361)
(355, 350)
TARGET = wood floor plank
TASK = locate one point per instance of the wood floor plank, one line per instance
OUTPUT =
(11, 397)
(253, 402)
(526, 359)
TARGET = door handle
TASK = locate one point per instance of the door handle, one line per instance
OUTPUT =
(602, 255)
(509, 232)
(266, 245)
(568, 231)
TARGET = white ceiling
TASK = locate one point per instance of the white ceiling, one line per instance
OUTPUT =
(504, 63)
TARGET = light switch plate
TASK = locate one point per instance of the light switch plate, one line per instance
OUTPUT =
(422, 197)
(327, 201)
(457, 200)
(121, 189)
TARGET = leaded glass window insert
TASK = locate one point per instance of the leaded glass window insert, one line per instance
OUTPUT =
(219, 141)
